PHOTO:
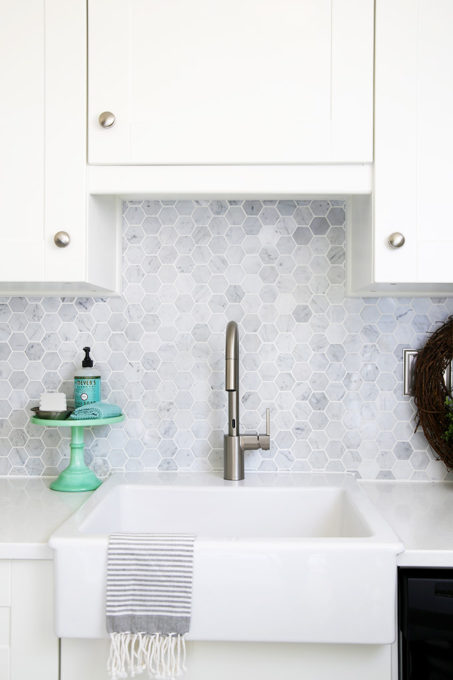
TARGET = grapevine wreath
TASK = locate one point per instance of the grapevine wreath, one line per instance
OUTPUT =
(432, 399)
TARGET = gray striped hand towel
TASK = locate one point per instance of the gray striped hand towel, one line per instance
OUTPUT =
(148, 603)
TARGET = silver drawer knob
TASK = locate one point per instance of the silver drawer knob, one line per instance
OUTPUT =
(396, 240)
(62, 239)
(106, 119)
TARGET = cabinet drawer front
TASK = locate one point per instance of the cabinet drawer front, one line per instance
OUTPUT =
(200, 82)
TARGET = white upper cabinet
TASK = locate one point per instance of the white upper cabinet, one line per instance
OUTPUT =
(21, 136)
(43, 157)
(414, 139)
(231, 81)
(413, 155)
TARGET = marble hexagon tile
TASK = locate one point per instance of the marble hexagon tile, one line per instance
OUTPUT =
(328, 367)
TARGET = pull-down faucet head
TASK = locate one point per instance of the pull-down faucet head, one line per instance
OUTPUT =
(232, 376)
(232, 357)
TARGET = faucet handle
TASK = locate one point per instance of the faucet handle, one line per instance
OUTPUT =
(265, 439)
(258, 441)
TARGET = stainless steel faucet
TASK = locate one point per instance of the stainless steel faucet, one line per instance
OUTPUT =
(234, 443)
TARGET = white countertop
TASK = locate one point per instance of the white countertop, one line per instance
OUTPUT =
(29, 513)
(421, 514)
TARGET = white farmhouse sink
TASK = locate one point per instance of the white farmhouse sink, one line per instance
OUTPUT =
(278, 557)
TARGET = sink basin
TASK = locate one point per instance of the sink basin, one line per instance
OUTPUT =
(225, 512)
(278, 557)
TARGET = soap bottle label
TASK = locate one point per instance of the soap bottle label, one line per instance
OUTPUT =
(87, 390)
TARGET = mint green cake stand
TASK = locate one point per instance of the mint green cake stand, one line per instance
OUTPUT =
(77, 476)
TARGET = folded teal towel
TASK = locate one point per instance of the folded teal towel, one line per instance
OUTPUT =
(96, 411)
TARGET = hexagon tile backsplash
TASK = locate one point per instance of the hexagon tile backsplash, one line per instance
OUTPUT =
(329, 367)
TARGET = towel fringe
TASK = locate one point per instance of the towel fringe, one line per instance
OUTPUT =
(163, 656)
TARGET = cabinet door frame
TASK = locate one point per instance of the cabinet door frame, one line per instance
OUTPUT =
(413, 141)
(413, 172)
(22, 44)
(250, 129)
(65, 140)
(29, 647)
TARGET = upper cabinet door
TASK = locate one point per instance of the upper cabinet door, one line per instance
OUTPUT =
(414, 141)
(22, 140)
(231, 81)
(43, 158)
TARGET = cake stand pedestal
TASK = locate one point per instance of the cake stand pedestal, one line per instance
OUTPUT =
(77, 476)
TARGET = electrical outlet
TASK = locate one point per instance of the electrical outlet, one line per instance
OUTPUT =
(409, 357)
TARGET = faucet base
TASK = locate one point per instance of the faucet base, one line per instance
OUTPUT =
(233, 467)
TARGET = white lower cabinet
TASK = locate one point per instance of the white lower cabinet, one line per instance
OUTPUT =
(28, 644)
(243, 661)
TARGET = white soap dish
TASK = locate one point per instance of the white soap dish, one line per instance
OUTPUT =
(50, 415)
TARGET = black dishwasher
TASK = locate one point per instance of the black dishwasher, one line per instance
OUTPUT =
(425, 613)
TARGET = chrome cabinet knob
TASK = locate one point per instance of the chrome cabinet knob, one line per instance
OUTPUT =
(396, 240)
(106, 119)
(62, 239)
